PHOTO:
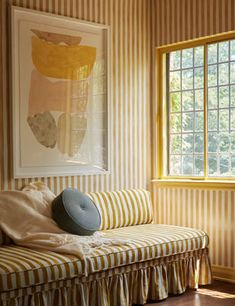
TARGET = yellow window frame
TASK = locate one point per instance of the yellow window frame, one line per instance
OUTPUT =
(160, 132)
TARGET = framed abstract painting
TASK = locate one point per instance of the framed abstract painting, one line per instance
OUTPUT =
(60, 95)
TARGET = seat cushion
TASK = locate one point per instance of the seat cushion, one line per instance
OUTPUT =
(147, 241)
(21, 267)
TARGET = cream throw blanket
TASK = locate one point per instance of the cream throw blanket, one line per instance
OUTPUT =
(25, 216)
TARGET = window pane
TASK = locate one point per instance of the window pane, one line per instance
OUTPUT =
(212, 53)
(198, 164)
(187, 58)
(212, 120)
(223, 74)
(187, 164)
(198, 78)
(175, 144)
(212, 164)
(224, 164)
(233, 164)
(232, 73)
(224, 142)
(175, 99)
(212, 97)
(175, 81)
(221, 111)
(223, 51)
(223, 96)
(186, 110)
(198, 56)
(187, 79)
(187, 143)
(199, 121)
(187, 122)
(186, 117)
(199, 101)
(175, 60)
(187, 100)
(212, 142)
(199, 143)
(175, 164)
(224, 120)
(232, 118)
(232, 50)
(212, 75)
(175, 123)
(232, 95)
(232, 140)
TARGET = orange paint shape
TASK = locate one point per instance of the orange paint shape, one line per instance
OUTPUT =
(64, 96)
(57, 38)
(62, 62)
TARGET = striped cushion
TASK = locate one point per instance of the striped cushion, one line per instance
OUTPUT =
(117, 209)
(147, 242)
(21, 267)
(123, 208)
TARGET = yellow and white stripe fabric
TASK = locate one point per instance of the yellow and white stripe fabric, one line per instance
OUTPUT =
(21, 267)
(117, 209)
(121, 286)
(123, 208)
(147, 242)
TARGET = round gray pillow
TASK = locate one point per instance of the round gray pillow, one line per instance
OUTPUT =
(76, 213)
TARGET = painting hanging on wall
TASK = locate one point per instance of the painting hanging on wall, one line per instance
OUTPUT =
(60, 94)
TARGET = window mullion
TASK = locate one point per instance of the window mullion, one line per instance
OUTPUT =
(205, 110)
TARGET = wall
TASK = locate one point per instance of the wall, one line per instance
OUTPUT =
(131, 47)
(179, 20)
(212, 209)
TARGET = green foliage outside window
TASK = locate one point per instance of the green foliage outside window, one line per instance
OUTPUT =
(186, 110)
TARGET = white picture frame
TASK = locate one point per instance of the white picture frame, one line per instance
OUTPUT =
(60, 95)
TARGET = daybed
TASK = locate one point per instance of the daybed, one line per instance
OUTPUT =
(158, 260)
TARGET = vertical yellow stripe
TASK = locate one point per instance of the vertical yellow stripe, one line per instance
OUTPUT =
(179, 20)
(211, 210)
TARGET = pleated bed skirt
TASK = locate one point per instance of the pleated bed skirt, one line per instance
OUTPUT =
(138, 283)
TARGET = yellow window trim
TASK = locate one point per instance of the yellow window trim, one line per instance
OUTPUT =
(160, 137)
(194, 183)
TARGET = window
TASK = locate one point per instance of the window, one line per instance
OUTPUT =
(198, 96)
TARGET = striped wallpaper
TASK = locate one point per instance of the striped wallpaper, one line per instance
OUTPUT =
(211, 210)
(179, 20)
(131, 47)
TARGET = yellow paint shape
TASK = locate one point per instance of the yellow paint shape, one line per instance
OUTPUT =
(62, 62)
(57, 38)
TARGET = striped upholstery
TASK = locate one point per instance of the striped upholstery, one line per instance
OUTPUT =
(117, 209)
(138, 283)
(147, 242)
(123, 208)
(21, 267)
